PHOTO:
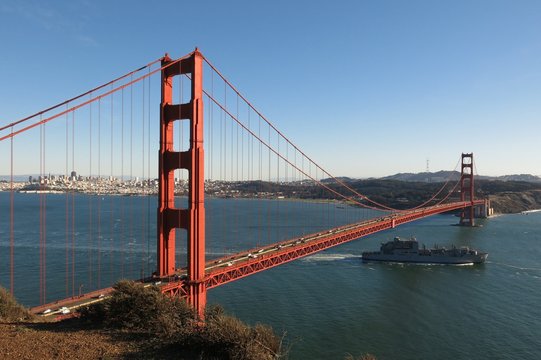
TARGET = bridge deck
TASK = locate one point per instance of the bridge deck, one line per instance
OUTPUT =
(233, 267)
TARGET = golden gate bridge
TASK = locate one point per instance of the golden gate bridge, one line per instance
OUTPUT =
(210, 141)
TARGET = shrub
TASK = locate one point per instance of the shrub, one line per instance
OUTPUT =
(146, 310)
(226, 337)
(11, 310)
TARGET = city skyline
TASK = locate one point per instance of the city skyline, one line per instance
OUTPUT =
(366, 89)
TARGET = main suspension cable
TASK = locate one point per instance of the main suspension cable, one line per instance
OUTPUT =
(378, 206)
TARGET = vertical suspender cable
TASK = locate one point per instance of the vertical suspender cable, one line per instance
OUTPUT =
(211, 127)
(242, 178)
(260, 177)
(268, 225)
(232, 151)
(132, 198)
(250, 148)
(90, 224)
(111, 198)
(209, 121)
(225, 134)
(122, 217)
(66, 179)
(278, 220)
(236, 151)
(224, 207)
(73, 205)
(40, 214)
(149, 197)
(143, 208)
(237, 143)
(99, 194)
(285, 184)
(111, 182)
(221, 153)
(294, 180)
(304, 204)
(44, 217)
(11, 223)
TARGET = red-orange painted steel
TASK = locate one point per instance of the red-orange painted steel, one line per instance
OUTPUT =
(196, 197)
(166, 233)
(193, 218)
(466, 189)
(315, 243)
(286, 251)
(342, 235)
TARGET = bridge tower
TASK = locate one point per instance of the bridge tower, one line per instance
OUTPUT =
(466, 189)
(193, 218)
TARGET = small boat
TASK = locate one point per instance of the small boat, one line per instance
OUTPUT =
(407, 251)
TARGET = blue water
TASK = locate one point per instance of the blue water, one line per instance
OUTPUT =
(330, 304)
(333, 304)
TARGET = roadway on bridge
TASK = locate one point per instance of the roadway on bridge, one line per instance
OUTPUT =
(231, 267)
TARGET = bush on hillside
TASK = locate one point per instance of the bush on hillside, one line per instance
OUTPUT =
(225, 337)
(11, 310)
(146, 310)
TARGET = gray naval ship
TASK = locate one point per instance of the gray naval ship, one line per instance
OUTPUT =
(407, 251)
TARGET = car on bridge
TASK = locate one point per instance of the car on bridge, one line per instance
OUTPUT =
(64, 310)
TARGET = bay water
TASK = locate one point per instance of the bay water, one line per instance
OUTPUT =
(330, 304)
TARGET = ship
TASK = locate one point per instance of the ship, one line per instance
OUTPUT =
(407, 251)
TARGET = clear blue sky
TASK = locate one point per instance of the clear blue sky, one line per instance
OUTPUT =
(366, 88)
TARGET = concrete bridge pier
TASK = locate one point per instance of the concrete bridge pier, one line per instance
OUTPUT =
(484, 211)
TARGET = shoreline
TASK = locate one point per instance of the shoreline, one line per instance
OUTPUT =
(500, 207)
(526, 212)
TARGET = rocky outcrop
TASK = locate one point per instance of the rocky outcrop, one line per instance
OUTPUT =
(515, 202)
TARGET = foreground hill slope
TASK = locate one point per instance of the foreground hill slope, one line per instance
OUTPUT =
(134, 323)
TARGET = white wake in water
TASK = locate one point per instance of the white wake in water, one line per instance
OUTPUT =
(514, 267)
(330, 257)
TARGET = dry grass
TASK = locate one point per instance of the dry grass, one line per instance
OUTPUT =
(10, 310)
(176, 330)
(138, 323)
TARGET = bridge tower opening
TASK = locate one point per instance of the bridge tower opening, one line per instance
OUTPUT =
(467, 190)
(192, 218)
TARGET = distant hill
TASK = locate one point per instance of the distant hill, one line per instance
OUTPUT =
(344, 179)
(432, 177)
(442, 176)
(520, 177)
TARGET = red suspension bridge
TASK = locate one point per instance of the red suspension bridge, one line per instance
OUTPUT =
(67, 162)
